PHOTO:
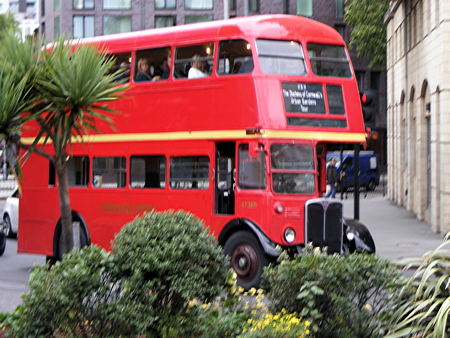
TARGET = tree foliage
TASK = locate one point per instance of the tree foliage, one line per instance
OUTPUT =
(368, 35)
(64, 89)
(7, 24)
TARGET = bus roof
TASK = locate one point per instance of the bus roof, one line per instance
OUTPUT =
(290, 27)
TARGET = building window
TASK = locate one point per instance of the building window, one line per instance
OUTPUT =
(83, 26)
(189, 172)
(198, 4)
(109, 172)
(165, 4)
(116, 4)
(165, 21)
(56, 27)
(232, 5)
(340, 9)
(113, 24)
(305, 7)
(197, 18)
(253, 6)
(42, 8)
(83, 4)
(43, 29)
(56, 5)
(341, 30)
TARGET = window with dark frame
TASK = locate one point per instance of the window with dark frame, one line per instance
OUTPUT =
(113, 24)
(165, 4)
(185, 56)
(109, 172)
(83, 26)
(56, 27)
(116, 4)
(197, 18)
(157, 60)
(253, 6)
(148, 172)
(198, 4)
(340, 9)
(78, 171)
(281, 57)
(305, 8)
(189, 172)
(252, 170)
(165, 21)
(83, 4)
(121, 61)
(235, 57)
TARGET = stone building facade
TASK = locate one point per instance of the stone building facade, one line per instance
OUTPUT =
(418, 114)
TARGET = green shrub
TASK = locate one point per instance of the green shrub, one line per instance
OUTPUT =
(167, 259)
(424, 311)
(347, 296)
(74, 297)
(159, 263)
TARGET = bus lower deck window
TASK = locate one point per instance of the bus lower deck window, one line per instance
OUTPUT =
(148, 172)
(109, 172)
(189, 172)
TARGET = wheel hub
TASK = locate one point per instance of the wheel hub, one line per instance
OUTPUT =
(244, 261)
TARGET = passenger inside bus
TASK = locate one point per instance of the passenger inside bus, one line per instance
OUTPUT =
(142, 71)
(162, 72)
(197, 69)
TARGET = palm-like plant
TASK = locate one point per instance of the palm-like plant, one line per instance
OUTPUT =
(64, 89)
(425, 311)
(73, 91)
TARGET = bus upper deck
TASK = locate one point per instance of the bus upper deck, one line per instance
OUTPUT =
(271, 74)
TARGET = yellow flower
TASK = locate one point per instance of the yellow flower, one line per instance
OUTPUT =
(367, 308)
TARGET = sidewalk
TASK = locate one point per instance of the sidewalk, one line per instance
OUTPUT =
(397, 232)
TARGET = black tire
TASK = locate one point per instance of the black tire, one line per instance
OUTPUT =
(371, 186)
(246, 258)
(2, 242)
(83, 242)
(9, 231)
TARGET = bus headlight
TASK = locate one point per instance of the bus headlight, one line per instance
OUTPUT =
(350, 236)
(289, 235)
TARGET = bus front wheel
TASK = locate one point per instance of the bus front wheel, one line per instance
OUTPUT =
(246, 258)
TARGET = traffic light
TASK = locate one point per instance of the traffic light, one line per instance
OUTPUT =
(369, 106)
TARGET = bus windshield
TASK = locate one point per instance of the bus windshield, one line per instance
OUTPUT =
(329, 60)
(292, 167)
(281, 57)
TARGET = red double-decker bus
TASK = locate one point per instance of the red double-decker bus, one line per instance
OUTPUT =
(229, 120)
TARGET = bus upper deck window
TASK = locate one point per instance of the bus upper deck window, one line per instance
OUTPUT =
(194, 62)
(329, 60)
(235, 57)
(121, 62)
(281, 57)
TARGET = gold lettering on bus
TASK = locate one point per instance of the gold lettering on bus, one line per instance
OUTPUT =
(119, 208)
(249, 204)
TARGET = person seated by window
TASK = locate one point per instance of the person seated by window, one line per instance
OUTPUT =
(125, 75)
(163, 71)
(142, 71)
(197, 69)
(246, 67)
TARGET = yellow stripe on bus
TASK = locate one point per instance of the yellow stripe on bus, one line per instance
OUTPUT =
(217, 135)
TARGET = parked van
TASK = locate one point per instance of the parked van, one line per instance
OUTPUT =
(368, 168)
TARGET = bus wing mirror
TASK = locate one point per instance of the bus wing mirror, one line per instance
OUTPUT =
(253, 149)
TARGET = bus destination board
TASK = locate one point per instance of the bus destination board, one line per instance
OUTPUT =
(304, 98)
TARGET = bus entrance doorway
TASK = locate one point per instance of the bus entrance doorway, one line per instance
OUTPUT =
(225, 165)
